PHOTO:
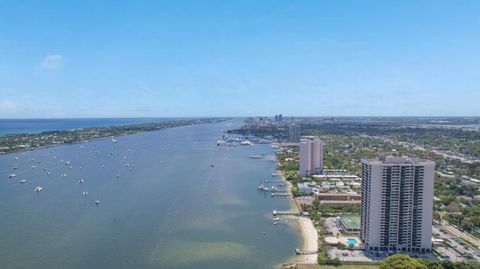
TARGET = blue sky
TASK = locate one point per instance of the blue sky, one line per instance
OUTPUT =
(239, 58)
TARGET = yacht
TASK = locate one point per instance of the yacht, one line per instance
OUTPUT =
(97, 202)
(12, 175)
(38, 189)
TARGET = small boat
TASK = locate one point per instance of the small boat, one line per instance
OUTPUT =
(275, 223)
(276, 219)
(80, 180)
(33, 166)
(97, 202)
(85, 193)
(114, 140)
(212, 165)
(264, 232)
(255, 157)
(38, 189)
(12, 175)
(23, 181)
(273, 175)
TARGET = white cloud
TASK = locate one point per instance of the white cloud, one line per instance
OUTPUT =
(9, 107)
(52, 61)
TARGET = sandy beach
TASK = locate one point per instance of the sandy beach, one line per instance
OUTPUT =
(308, 231)
(310, 238)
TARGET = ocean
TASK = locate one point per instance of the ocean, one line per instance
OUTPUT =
(168, 199)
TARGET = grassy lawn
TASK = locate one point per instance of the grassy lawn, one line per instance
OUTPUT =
(338, 267)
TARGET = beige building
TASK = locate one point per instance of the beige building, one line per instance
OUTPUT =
(311, 157)
(397, 204)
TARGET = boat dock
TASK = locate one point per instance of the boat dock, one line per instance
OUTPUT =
(280, 194)
(285, 213)
(300, 252)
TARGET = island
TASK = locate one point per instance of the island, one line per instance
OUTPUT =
(20, 142)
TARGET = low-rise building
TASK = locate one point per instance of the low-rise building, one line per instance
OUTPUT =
(349, 223)
(335, 198)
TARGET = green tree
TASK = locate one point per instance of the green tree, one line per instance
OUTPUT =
(401, 261)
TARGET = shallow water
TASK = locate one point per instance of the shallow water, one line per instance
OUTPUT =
(168, 209)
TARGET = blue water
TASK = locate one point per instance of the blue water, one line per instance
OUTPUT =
(22, 126)
(168, 209)
(352, 241)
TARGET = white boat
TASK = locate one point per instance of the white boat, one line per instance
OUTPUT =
(276, 219)
(255, 157)
(12, 175)
(97, 202)
(85, 193)
(114, 141)
(23, 181)
(246, 143)
(38, 189)
(80, 180)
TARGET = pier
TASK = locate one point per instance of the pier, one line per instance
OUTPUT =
(280, 194)
(285, 213)
(306, 252)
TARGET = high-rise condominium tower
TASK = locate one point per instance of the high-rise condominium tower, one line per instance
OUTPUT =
(397, 201)
(294, 133)
(311, 157)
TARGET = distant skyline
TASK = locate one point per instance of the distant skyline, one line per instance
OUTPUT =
(60, 59)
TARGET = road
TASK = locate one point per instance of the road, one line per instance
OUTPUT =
(458, 250)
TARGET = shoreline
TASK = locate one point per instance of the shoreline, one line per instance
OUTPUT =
(106, 132)
(306, 228)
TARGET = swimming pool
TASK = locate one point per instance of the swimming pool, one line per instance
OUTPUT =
(352, 241)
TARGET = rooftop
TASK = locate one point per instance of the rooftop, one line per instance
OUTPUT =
(396, 160)
(351, 221)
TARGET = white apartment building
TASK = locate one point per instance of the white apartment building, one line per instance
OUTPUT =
(397, 204)
(311, 157)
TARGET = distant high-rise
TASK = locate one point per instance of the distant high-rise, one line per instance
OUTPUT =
(397, 201)
(280, 117)
(294, 133)
(311, 157)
